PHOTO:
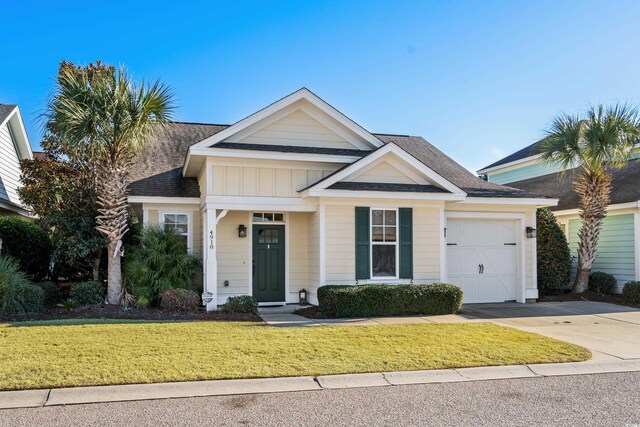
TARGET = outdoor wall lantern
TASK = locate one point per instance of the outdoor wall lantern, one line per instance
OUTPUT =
(242, 231)
(303, 296)
(531, 233)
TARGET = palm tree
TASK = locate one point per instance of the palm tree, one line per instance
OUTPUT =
(100, 112)
(603, 138)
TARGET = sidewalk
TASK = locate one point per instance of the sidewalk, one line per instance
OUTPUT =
(122, 393)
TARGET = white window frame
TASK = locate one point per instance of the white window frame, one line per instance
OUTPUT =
(371, 243)
(189, 215)
(284, 218)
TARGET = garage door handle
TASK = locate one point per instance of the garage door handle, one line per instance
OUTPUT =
(509, 244)
(481, 268)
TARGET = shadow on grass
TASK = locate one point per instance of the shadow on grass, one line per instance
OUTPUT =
(77, 322)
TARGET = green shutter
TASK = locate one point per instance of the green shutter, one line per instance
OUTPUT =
(406, 243)
(362, 243)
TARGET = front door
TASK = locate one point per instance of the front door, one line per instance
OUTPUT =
(268, 263)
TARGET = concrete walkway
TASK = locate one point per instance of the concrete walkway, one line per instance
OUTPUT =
(123, 393)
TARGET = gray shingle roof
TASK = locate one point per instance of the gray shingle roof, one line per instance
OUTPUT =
(379, 186)
(292, 149)
(5, 110)
(625, 186)
(453, 172)
(528, 151)
(158, 170)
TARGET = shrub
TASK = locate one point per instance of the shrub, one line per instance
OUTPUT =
(17, 293)
(389, 300)
(68, 305)
(28, 243)
(52, 292)
(631, 292)
(179, 300)
(554, 257)
(85, 293)
(241, 304)
(159, 261)
(602, 283)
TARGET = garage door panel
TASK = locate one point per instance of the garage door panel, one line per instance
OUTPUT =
(489, 243)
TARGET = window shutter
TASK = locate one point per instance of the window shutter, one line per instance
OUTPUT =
(362, 243)
(406, 242)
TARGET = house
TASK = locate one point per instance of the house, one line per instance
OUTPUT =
(14, 146)
(618, 250)
(297, 195)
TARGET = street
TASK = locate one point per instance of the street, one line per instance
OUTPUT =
(596, 400)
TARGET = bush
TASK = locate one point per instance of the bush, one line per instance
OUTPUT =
(554, 257)
(389, 300)
(159, 261)
(85, 293)
(241, 304)
(179, 300)
(28, 243)
(631, 292)
(602, 283)
(52, 292)
(17, 293)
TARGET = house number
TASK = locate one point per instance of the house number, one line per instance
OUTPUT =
(211, 239)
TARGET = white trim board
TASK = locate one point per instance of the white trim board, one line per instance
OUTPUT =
(164, 200)
(619, 206)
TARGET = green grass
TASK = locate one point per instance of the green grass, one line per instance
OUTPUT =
(97, 352)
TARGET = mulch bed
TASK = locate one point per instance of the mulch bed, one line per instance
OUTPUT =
(114, 312)
(587, 296)
(310, 312)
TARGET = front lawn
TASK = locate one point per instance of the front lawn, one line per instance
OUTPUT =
(72, 354)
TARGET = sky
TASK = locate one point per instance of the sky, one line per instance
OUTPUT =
(478, 79)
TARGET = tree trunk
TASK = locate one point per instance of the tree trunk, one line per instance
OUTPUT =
(112, 219)
(114, 288)
(594, 189)
(96, 267)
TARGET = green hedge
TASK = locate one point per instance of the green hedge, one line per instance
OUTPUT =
(389, 300)
(602, 283)
(28, 243)
(631, 293)
(554, 258)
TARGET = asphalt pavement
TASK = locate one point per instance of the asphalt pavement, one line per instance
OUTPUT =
(594, 400)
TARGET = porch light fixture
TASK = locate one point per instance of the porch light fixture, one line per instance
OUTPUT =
(531, 233)
(302, 295)
(242, 231)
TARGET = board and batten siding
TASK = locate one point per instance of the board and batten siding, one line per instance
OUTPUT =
(297, 129)
(9, 167)
(615, 251)
(264, 181)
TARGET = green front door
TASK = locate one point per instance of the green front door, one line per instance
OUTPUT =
(268, 263)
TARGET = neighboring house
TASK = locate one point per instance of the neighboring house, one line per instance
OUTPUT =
(14, 146)
(618, 250)
(297, 195)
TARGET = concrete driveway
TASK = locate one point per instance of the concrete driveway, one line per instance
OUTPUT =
(610, 331)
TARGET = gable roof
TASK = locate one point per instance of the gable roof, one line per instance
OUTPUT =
(157, 171)
(5, 111)
(624, 187)
(528, 151)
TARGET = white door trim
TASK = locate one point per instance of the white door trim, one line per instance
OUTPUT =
(520, 233)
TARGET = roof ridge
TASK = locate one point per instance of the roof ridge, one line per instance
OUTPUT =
(197, 123)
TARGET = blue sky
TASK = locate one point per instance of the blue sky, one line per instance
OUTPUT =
(477, 79)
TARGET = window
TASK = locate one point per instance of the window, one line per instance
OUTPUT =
(384, 242)
(268, 217)
(179, 223)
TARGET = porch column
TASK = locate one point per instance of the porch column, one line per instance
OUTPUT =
(210, 264)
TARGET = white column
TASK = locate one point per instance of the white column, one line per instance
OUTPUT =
(210, 280)
(443, 245)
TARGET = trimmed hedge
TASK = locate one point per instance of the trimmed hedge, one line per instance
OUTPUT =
(631, 292)
(389, 300)
(52, 292)
(602, 283)
(241, 304)
(87, 293)
(179, 300)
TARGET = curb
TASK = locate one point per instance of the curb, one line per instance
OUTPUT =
(125, 393)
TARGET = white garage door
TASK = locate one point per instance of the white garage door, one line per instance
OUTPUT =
(482, 259)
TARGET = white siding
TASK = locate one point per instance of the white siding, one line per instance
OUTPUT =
(298, 256)
(9, 167)
(384, 172)
(298, 129)
(234, 258)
